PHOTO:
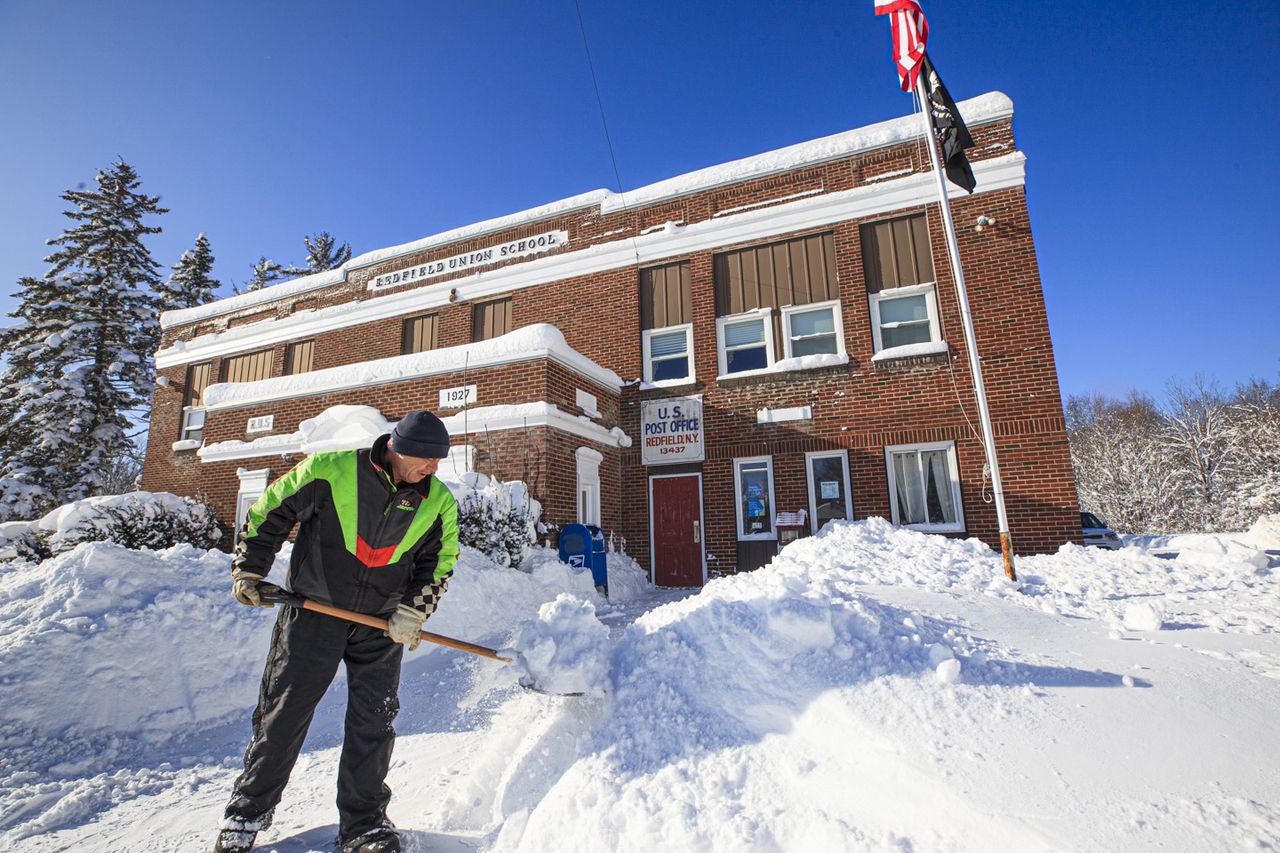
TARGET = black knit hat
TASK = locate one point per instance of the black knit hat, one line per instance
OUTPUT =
(421, 434)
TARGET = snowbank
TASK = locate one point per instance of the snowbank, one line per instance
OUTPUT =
(65, 524)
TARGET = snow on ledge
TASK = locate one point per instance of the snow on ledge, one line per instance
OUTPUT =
(909, 350)
(186, 444)
(352, 427)
(540, 340)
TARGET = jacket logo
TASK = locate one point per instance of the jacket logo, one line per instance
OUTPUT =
(405, 503)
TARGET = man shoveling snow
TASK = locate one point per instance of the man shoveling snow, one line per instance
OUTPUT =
(378, 536)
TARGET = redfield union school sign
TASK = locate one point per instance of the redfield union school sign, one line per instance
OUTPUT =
(480, 257)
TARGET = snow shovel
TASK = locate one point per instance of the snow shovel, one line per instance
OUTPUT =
(275, 595)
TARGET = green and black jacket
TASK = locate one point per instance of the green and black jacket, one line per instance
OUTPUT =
(364, 544)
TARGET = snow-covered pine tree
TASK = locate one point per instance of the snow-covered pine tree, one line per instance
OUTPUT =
(322, 254)
(79, 357)
(191, 283)
(265, 271)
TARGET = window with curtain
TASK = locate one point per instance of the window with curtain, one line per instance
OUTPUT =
(744, 343)
(419, 334)
(298, 357)
(924, 486)
(491, 319)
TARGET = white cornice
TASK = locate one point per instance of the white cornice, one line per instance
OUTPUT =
(813, 212)
(486, 419)
(992, 106)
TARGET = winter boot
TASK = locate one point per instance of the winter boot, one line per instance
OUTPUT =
(234, 841)
(384, 839)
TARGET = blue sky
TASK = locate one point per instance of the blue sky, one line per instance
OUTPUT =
(1149, 127)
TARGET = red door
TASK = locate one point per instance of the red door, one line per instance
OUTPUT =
(675, 522)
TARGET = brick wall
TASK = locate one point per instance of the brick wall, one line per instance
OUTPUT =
(861, 407)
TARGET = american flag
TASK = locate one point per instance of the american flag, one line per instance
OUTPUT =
(909, 30)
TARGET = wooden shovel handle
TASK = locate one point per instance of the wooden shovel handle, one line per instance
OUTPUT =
(375, 622)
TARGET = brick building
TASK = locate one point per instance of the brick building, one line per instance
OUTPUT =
(679, 363)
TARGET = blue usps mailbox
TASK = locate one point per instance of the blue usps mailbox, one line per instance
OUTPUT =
(582, 546)
(599, 565)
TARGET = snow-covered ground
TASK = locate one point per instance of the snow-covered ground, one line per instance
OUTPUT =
(871, 689)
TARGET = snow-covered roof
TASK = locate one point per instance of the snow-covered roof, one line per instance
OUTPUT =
(540, 340)
(983, 108)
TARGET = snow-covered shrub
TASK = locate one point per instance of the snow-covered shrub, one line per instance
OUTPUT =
(134, 520)
(503, 534)
(148, 525)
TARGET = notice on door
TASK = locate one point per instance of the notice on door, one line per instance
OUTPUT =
(671, 430)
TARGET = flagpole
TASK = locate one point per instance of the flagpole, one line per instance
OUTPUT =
(975, 366)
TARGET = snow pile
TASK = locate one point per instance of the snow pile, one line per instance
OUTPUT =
(111, 657)
(627, 581)
(1143, 616)
(1265, 532)
(566, 649)
(144, 642)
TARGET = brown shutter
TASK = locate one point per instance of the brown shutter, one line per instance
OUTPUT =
(298, 356)
(895, 253)
(249, 367)
(792, 272)
(419, 334)
(491, 319)
(665, 299)
(197, 381)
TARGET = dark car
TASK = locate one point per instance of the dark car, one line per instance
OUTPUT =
(1097, 533)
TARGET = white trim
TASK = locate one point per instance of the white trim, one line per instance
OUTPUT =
(928, 290)
(988, 107)
(775, 416)
(702, 524)
(950, 447)
(490, 418)
(645, 338)
(588, 479)
(788, 310)
(843, 455)
(765, 316)
(737, 500)
(858, 203)
(252, 485)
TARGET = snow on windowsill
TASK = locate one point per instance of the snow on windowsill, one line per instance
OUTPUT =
(667, 383)
(910, 350)
(787, 365)
(186, 444)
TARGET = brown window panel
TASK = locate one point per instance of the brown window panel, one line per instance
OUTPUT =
(298, 357)
(791, 272)
(249, 367)
(419, 334)
(490, 319)
(665, 298)
(895, 253)
(197, 380)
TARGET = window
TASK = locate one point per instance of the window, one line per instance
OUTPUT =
(924, 486)
(753, 488)
(668, 355)
(419, 334)
(812, 329)
(193, 401)
(900, 282)
(745, 342)
(298, 356)
(903, 316)
(249, 367)
(828, 474)
(490, 319)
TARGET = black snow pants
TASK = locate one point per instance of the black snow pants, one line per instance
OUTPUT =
(306, 648)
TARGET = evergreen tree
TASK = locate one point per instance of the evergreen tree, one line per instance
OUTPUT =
(265, 271)
(322, 254)
(191, 283)
(79, 357)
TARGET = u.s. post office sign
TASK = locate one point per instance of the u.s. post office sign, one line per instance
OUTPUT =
(535, 245)
(671, 431)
